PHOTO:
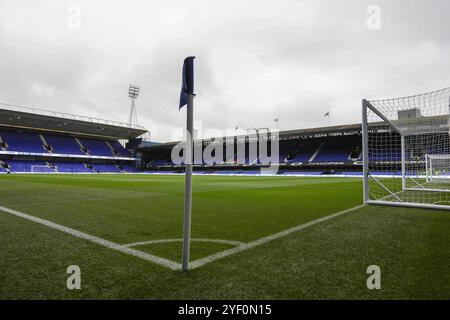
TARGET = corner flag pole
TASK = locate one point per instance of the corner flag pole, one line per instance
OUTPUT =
(188, 182)
(187, 98)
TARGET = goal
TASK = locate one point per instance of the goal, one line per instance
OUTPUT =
(43, 169)
(406, 150)
(437, 168)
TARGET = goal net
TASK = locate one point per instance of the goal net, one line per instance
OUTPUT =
(437, 168)
(43, 169)
(407, 150)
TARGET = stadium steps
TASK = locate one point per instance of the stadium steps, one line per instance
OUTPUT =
(119, 148)
(3, 144)
(82, 148)
(5, 166)
(113, 151)
(45, 144)
(316, 152)
(89, 167)
(52, 166)
(96, 147)
(355, 155)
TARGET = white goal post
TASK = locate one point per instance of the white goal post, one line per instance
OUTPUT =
(406, 150)
(43, 169)
(437, 167)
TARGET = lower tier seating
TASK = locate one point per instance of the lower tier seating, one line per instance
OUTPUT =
(38, 166)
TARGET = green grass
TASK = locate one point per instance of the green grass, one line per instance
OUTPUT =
(325, 261)
(419, 195)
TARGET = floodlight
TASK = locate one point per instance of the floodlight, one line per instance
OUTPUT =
(133, 91)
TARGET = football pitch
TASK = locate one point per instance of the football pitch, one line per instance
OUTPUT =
(252, 238)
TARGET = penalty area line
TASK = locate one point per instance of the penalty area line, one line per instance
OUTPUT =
(203, 261)
(105, 243)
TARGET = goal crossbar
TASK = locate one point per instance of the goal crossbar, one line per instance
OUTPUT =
(43, 169)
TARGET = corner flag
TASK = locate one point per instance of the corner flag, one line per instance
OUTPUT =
(187, 98)
(187, 84)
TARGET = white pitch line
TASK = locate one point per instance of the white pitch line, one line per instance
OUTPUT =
(201, 262)
(108, 244)
(167, 263)
(143, 243)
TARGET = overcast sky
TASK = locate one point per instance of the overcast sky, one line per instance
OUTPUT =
(256, 60)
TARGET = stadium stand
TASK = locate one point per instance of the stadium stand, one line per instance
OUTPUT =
(33, 140)
(118, 149)
(316, 151)
(63, 144)
(22, 141)
(70, 167)
(23, 166)
(96, 147)
(336, 149)
(305, 151)
(105, 167)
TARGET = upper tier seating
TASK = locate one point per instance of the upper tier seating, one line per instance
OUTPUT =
(121, 151)
(305, 151)
(337, 149)
(23, 141)
(96, 147)
(59, 144)
(287, 148)
(63, 144)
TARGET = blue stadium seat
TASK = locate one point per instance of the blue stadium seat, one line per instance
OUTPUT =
(96, 147)
(121, 151)
(105, 167)
(23, 166)
(337, 149)
(129, 168)
(305, 151)
(63, 144)
(64, 167)
(23, 141)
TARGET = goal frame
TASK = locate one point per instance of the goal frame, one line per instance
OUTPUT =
(43, 166)
(366, 106)
(429, 165)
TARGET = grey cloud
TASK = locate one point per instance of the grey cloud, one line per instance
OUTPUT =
(256, 60)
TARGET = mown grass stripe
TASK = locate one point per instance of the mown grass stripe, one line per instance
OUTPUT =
(201, 262)
(108, 244)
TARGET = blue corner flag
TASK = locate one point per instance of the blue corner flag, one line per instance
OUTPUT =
(187, 86)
